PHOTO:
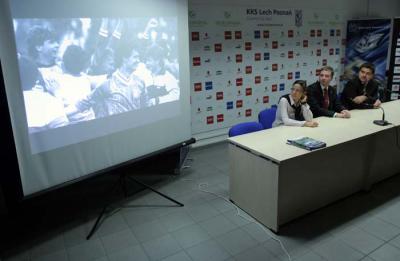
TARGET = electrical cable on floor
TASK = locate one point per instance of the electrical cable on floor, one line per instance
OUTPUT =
(238, 214)
(250, 220)
(199, 187)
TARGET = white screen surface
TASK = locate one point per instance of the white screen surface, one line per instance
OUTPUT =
(91, 85)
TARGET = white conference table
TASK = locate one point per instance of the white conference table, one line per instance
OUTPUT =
(275, 182)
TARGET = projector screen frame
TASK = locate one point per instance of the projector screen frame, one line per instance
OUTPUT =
(10, 79)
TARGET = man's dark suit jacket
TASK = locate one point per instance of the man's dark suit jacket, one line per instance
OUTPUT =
(316, 101)
(355, 88)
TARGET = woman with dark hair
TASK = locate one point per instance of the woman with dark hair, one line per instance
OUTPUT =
(293, 109)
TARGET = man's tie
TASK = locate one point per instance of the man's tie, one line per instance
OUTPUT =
(326, 98)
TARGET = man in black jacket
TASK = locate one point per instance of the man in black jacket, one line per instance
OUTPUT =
(322, 97)
(362, 91)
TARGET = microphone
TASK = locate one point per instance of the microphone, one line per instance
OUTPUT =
(382, 122)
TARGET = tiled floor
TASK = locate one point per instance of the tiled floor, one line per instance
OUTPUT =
(365, 226)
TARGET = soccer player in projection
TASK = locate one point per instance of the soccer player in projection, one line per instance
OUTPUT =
(74, 85)
(43, 48)
(161, 84)
(43, 111)
(63, 82)
(123, 91)
(63, 78)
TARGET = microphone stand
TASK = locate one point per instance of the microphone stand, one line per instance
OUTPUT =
(382, 122)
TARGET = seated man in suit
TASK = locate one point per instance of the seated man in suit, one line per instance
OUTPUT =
(322, 97)
(362, 91)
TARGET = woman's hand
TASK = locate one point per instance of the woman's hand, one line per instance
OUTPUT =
(304, 99)
(311, 124)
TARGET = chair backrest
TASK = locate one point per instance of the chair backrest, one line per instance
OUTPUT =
(243, 128)
(267, 117)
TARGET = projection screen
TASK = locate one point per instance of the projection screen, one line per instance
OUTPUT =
(92, 84)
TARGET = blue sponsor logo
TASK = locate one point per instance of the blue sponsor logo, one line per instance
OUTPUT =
(282, 87)
(332, 32)
(209, 86)
(337, 51)
(257, 34)
(297, 75)
(266, 56)
(229, 105)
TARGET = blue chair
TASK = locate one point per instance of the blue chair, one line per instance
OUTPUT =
(243, 128)
(267, 117)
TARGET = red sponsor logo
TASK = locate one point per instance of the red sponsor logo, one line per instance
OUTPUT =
(249, 69)
(238, 34)
(290, 54)
(248, 112)
(195, 36)
(274, 67)
(318, 52)
(239, 81)
(324, 62)
(196, 61)
(197, 87)
(325, 42)
(239, 58)
(247, 46)
(220, 118)
(257, 79)
(228, 35)
(319, 32)
(257, 56)
(249, 91)
(266, 34)
(210, 119)
(317, 72)
(312, 33)
(220, 95)
(265, 99)
(274, 44)
(239, 103)
(218, 47)
(331, 51)
(274, 87)
(290, 33)
(305, 43)
(290, 75)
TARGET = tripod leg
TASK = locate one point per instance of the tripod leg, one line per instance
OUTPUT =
(154, 190)
(96, 223)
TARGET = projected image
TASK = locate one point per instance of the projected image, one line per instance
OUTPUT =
(77, 70)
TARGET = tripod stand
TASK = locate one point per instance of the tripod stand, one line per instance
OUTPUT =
(123, 178)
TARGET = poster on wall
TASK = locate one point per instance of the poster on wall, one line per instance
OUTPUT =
(394, 67)
(244, 58)
(368, 41)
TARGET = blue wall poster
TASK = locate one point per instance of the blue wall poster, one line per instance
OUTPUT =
(367, 41)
